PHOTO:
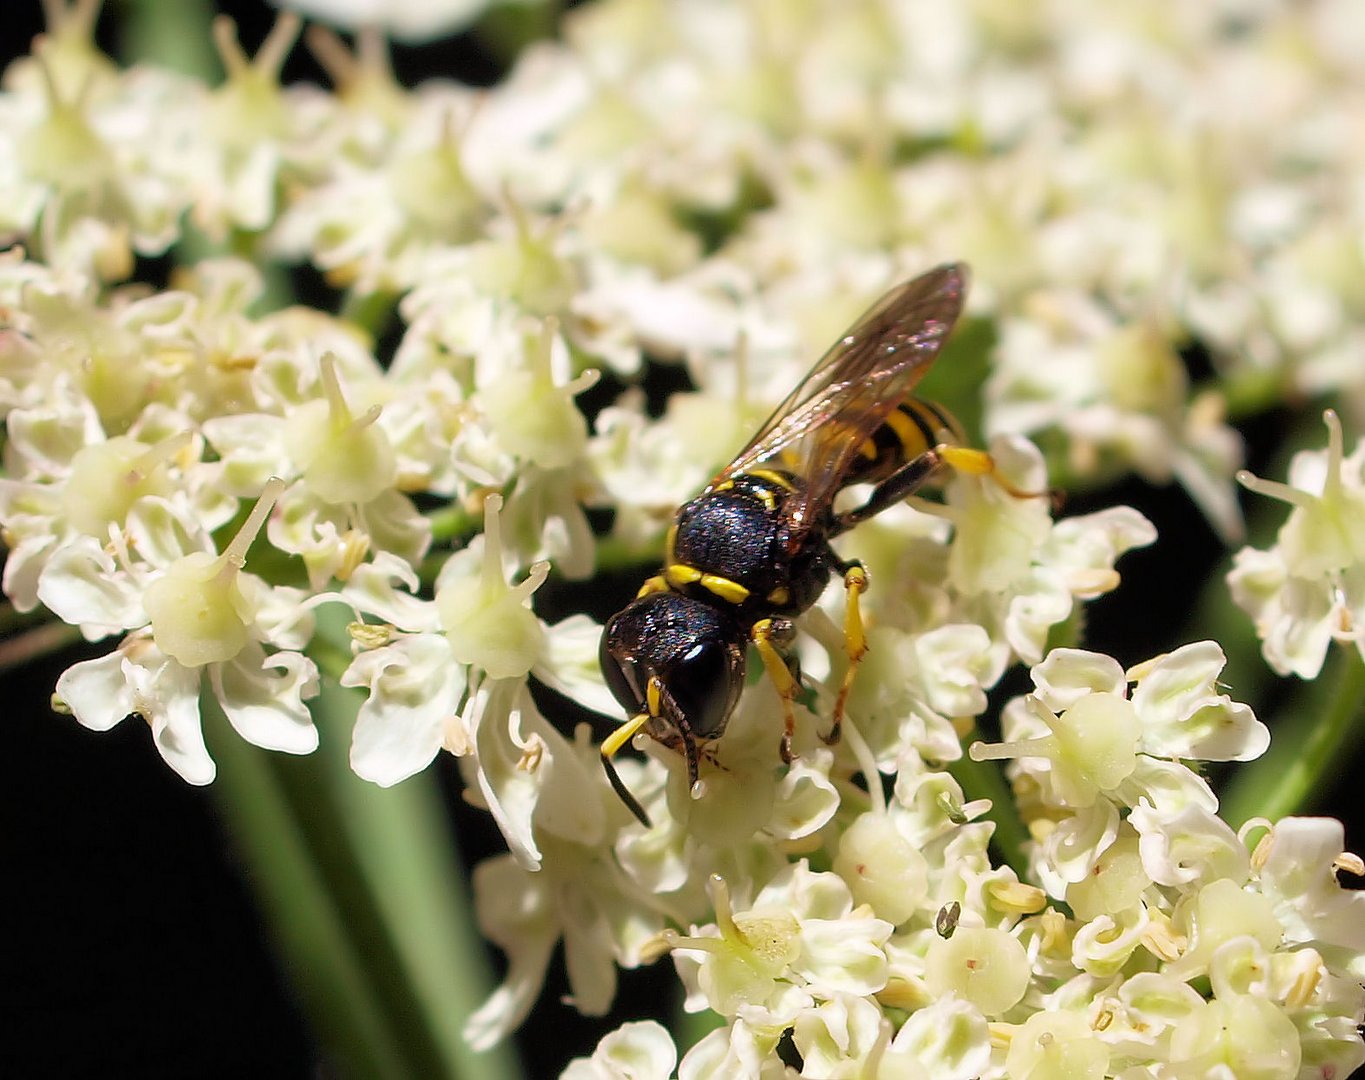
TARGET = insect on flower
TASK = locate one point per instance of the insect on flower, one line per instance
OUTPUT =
(752, 551)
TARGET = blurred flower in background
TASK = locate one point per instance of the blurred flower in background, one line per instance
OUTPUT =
(310, 386)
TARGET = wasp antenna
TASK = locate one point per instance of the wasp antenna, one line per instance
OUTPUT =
(610, 746)
(623, 793)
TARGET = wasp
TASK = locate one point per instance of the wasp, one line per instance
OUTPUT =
(752, 551)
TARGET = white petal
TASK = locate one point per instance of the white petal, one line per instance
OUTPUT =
(844, 954)
(251, 446)
(371, 588)
(1067, 675)
(1192, 846)
(510, 790)
(83, 586)
(395, 526)
(514, 912)
(640, 1050)
(569, 805)
(415, 690)
(96, 691)
(806, 799)
(161, 531)
(266, 708)
(569, 664)
(166, 695)
(947, 1040)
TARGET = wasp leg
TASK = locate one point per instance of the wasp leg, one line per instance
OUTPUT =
(979, 463)
(916, 472)
(767, 635)
(905, 481)
(693, 757)
(855, 643)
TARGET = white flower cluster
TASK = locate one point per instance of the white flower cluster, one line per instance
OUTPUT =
(724, 185)
(1189, 950)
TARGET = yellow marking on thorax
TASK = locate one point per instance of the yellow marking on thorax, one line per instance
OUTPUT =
(774, 478)
(780, 595)
(680, 575)
(731, 591)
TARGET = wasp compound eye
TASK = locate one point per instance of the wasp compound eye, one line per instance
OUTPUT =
(703, 684)
(622, 675)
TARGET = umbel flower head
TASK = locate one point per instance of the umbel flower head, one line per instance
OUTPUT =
(703, 194)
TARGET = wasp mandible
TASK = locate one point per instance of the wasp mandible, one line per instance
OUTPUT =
(752, 551)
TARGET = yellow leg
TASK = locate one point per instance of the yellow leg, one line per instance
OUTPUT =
(855, 645)
(979, 463)
(776, 666)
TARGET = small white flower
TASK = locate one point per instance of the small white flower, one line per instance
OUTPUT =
(642, 1050)
(578, 893)
(800, 942)
(1095, 733)
(191, 614)
(1295, 868)
(1309, 589)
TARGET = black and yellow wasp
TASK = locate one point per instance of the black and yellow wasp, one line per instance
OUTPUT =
(752, 551)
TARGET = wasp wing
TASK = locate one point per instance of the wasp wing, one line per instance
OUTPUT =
(821, 426)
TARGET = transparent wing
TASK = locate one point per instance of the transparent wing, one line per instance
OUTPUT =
(820, 427)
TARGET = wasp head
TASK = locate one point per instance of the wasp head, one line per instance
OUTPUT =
(676, 665)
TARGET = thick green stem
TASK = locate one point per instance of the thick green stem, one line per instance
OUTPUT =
(364, 888)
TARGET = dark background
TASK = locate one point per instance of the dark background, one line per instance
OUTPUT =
(132, 944)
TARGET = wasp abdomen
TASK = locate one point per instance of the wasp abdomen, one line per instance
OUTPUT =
(911, 429)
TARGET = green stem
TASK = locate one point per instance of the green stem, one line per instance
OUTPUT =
(1306, 753)
(173, 36)
(41, 640)
(364, 888)
(311, 929)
